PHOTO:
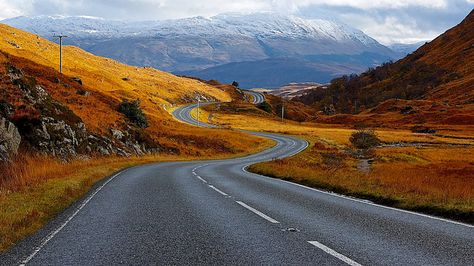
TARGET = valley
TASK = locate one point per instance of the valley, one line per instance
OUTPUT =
(264, 139)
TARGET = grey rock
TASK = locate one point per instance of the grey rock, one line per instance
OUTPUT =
(10, 139)
(117, 134)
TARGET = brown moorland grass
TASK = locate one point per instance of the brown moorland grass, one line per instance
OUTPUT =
(432, 173)
(436, 180)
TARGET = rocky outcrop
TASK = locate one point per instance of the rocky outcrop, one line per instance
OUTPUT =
(9, 139)
(48, 126)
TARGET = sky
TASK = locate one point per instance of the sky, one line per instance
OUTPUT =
(388, 21)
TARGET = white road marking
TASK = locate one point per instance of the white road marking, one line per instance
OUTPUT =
(257, 212)
(55, 232)
(219, 191)
(334, 253)
(200, 178)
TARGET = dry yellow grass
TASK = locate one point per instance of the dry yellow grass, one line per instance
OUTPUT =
(438, 180)
(330, 133)
(437, 176)
(105, 74)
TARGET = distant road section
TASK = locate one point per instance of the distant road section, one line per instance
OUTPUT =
(255, 97)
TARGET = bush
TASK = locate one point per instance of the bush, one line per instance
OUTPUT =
(364, 139)
(265, 107)
(133, 112)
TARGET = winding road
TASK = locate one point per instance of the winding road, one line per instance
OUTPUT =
(215, 213)
(257, 97)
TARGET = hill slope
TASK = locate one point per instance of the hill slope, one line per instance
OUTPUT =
(77, 112)
(437, 80)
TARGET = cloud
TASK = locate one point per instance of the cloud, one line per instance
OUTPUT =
(386, 20)
(8, 10)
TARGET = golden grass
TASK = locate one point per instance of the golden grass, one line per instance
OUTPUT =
(105, 74)
(437, 180)
(330, 133)
(436, 177)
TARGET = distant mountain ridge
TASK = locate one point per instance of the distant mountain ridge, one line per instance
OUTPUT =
(194, 44)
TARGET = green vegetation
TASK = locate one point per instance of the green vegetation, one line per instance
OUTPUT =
(133, 112)
(364, 139)
(265, 107)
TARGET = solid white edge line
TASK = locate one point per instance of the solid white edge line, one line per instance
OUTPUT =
(334, 253)
(218, 191)
(55, 232)
(244, 168)
(257, 212)
(200, 178)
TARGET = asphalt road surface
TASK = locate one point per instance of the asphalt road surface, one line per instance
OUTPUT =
(216, 213)
(256, 97)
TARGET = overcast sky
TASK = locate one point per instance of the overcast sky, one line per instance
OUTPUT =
(388, 21)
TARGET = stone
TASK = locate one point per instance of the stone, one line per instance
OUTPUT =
(117, 134)
(78, 80)
(10, 139)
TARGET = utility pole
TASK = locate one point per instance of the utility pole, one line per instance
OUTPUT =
(198, 113)
(282, 111)
(60, 51)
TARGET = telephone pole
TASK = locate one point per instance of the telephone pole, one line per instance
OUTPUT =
(60, 51)
(282, 111)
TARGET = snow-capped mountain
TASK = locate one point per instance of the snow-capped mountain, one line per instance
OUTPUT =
(198, 43)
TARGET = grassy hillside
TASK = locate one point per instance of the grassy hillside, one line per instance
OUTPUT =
(108, 82)
(437, 80)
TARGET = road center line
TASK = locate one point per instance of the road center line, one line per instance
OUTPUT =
(257, 212)
(219, 191)
(334, 253)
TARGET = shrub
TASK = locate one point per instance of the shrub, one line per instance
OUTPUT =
(364, 139)
(265, 107)
(133, 112)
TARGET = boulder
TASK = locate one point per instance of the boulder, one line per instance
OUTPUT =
(9, 139)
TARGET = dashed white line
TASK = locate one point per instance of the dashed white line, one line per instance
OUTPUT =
(334, 253)
(257, 212)
(218, 191)
(55, 232)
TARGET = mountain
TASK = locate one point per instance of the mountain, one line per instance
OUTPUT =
(273, 72)
(403, 49)
(434, 84)
(194, 44)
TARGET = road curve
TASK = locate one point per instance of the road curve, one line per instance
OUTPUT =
(257, 97)
(215, 212)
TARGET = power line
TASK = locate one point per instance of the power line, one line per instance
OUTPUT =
(60, 51)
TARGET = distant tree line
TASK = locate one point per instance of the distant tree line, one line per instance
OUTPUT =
(406, 79)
